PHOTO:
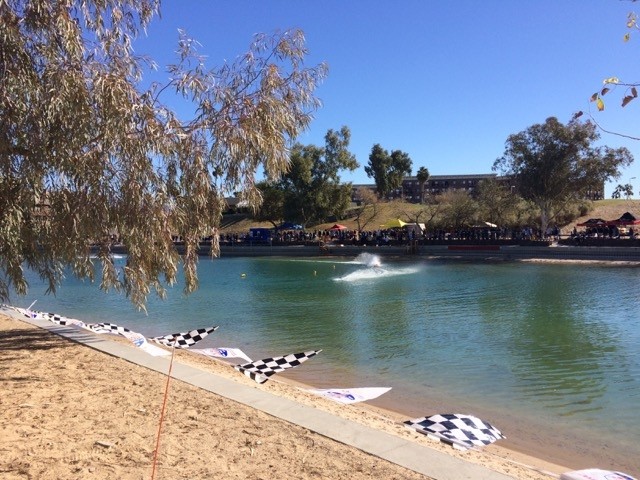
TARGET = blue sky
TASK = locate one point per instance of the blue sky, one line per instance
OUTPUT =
(445, 81)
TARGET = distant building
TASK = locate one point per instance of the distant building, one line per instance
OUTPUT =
(438, 184)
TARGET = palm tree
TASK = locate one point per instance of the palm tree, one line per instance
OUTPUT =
(422, 176)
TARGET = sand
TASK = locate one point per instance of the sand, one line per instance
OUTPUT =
(72, 412)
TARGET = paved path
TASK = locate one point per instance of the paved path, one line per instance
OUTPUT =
(427, 461)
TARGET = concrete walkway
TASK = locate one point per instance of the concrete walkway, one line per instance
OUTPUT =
(430, 462)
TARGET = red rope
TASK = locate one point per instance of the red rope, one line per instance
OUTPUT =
(164, 404)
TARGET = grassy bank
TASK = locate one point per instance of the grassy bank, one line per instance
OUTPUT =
(605, 209)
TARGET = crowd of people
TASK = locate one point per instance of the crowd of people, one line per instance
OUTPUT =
(393, 236)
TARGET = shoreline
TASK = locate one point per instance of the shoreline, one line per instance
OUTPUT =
(499, 458)
(451, 250)
(549, 450)
(442, 251)
(436, 403)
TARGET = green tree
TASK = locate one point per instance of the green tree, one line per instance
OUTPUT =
(377, 168)
(458, 208)
(626, 190)
(553, 165)
(271, 208)
(386, 169)
(423, 177)
(400, 167)
(312, 186)
(86, 142)
(367, 207)
(496, 202)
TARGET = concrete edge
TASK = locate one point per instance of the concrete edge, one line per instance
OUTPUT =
(419, 458)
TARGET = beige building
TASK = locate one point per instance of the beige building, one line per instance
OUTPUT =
(438, 184)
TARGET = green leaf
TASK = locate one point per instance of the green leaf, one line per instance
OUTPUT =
(600, 104)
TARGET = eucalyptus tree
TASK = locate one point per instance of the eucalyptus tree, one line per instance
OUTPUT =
(497, 202)
(387, 169)
(554, 165)
(377, 168)
(615, 84)
(312, 187)
(458, 208)
(368, 206)
(626, 190)
(88, 150)
(271, 208)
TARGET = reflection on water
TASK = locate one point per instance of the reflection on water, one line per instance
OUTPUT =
(558, 342)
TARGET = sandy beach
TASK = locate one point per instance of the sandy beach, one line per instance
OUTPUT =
(70, 411)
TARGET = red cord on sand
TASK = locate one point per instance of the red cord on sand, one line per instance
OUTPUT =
(164, 404)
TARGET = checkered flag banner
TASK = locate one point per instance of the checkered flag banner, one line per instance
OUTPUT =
(350, 395)
(595, 474)
(460, 431)
(141, 342)
(27, 312)
(57, 319)
(108, 328)
(261, 370)
(184, 340)
(222, 352)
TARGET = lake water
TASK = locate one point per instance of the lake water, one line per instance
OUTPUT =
(550, 351)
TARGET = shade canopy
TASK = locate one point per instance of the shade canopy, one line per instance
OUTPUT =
(337, 226)
(394, 223)
(625, 219)
(593, 222)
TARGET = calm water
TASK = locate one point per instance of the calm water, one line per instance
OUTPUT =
(537, 347)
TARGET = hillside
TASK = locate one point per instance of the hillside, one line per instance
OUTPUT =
(608, 210)
(605, 209)
(386, 211)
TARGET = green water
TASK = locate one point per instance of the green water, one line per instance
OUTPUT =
(533, 347)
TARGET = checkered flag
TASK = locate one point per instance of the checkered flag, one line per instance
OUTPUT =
(52, 317)
(184, 340)
(108, 328)
(60, 320)
(461, 431)
(261, 370)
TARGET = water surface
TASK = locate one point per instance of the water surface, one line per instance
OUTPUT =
(551, 351)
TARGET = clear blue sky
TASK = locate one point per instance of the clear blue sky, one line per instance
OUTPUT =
(445, 81)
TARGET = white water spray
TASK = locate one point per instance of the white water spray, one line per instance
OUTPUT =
(369, 259)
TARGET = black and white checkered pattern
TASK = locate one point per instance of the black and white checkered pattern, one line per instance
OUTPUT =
(257, 377)
(59, 319)
(184, 340)
(463, 431)
(53, 317)
(260, 370)
(108, 328)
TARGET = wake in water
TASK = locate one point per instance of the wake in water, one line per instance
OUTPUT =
(373, 270)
